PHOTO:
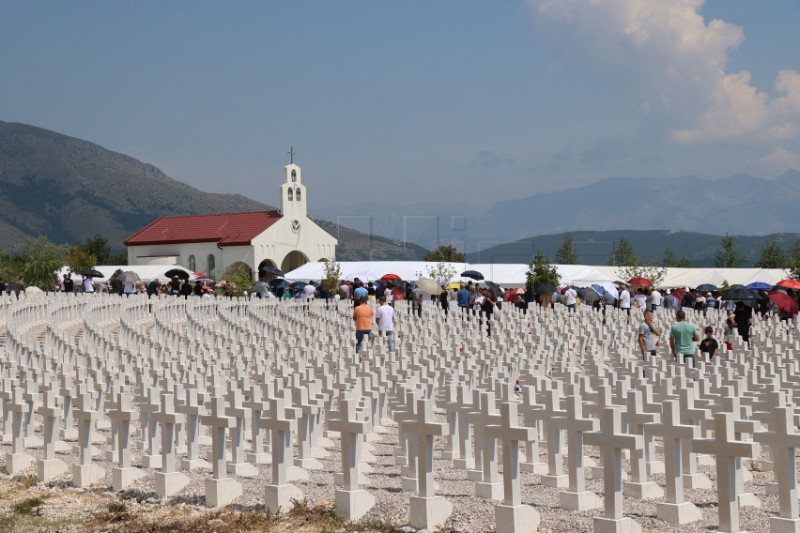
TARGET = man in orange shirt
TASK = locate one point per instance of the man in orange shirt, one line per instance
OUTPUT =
(363, 317)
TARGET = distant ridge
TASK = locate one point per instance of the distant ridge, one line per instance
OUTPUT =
(70, 189)
(594, 247)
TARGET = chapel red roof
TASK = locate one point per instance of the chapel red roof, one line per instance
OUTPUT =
(227, 229)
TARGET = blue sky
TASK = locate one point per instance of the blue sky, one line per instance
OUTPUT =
(452, 100)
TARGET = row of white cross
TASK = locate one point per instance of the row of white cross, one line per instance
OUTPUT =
(265, 382)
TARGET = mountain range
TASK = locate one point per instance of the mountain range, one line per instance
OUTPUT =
(70, 190)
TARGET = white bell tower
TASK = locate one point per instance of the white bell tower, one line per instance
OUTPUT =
(293, 192)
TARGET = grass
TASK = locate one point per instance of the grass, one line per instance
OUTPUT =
(28, 506)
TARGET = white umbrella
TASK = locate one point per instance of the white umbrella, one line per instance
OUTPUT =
(429, 286)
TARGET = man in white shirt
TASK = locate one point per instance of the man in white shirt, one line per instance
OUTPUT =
(384, 316)
(309, 291)
(625, 300)
(570, 298)
(657, 299)
(88, 285)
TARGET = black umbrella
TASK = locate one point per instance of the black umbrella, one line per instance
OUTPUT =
(706, 287)
(543, 287)
(589, 296)
(278, 283)
(92, 273)
(743, 295)
(495, 288)
(474, 274)
(268, 269)
(179, 272)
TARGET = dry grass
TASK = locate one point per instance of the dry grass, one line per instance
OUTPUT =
(26, 506)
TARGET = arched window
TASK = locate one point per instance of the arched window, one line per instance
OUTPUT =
(291, 197)
(297, 194)
(294, 175)
(212, 265)
(192, 264)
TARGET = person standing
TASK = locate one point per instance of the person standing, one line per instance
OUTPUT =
(88, 285)
(309, 291)
(444, 301)
(362, 315)
(416, 301)
(648, 335)
(682, 336)
(68, 285)
(462, 298)
(384, 316)
(709, 345)
(570, 298)
(657, 299)
(625, 300)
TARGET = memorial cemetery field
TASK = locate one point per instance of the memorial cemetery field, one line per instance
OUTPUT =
(172, 414)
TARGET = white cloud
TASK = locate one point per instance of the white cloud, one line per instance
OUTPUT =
(685, 59)
(780, 160)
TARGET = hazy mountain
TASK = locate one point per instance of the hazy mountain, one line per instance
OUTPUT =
(594, 247)
(70, 190)
(740, 204)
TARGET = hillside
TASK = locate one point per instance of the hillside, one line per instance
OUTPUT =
(70, 190)
(594, 247)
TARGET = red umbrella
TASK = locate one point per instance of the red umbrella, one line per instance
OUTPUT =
(640, 282)
(789, 283)
(390, 277)
(783, 301)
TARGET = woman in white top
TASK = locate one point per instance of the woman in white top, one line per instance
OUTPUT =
(88, 285)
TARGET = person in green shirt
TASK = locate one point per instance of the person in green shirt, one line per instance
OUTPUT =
(682, 336)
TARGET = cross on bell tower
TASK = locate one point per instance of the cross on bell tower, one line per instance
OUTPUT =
(291, 153)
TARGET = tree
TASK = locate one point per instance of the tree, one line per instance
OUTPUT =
(623, 254)
(442, 273)
(671, 261)
(727, 254)
(98, 247)
(446, 253)
(42, 261)
(333, 273)
(651, 270)
(10, 266)
(238, 280)
(566, 254)
(541, 270)
(79, 259)
(772, 256)
(794, 261)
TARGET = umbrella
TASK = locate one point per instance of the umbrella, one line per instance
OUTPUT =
(789, 283)
(640, 282)
(706, 287)
(520, 291)
(278, 283)
(92, 273)
(543, 287)
(454, 285)
(495, 288)
(758, 286)
(390, 277)
(743, 295)
(589, 296)
(129, 276)
(31, 290)
(269, 269)
(172, 272)
(784, 302)
(429, 286)
(473, 274)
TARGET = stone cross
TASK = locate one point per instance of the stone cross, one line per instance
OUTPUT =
(122, 413)
(85, 472)
(280, 493)
(18, 460)
(674, 434)
(168, 481)
(611, 441)
(193, 409)
(351, 502)
(238, 465)
(511, 515)
(576, 497)
(727, 449)
(50, 467)
(784, 441)
(220, 490)
(427, 510)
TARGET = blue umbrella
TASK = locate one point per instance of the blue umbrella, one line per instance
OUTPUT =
(278, 283)
(599, 289)
(758, 286)
(706, 287)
